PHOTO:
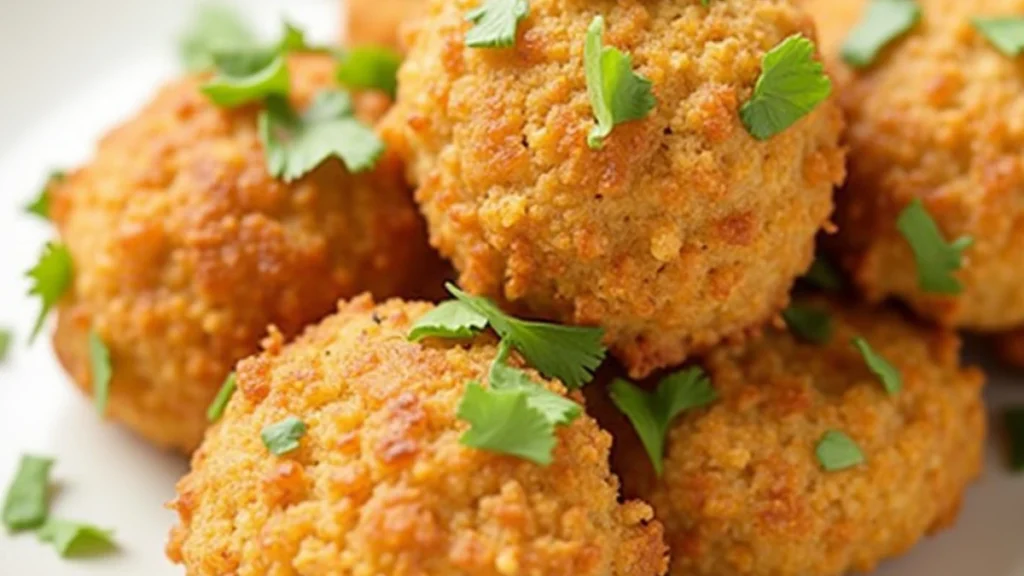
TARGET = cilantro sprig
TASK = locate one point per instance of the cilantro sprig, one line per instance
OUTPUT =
(220, 402)
(792, 84)
(1005, 33)
(935, 258)
(284, 436)
(214, 29)
(51, 277)
(837, 451)
(495, 23)
(76, 539)
(101, 370)
(887, 374)
(809, 323)
(26, 504)
(823, 275)
(652, 413)
(40, 206)
(883, 22)
(369, 67)
(617, 94)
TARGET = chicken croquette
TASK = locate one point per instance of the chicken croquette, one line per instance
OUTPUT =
(681, 231)
(380, 483)
(379, 22)
(743, 492)
(936, 117)
(186, 249)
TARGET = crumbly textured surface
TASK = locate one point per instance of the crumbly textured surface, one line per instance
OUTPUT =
(743, 492)
(185, 250)
(380, 22)
(940, 117)
(683, 230)
(381, 484)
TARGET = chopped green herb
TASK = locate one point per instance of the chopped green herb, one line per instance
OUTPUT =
(451, 319)
(652, 413)
(824, 275)
(51, 277)
(370, 67)
(214, 29)
(837, 451)
(238, 84)
(1006, 33)
(809, 323)
(495, 23)
(504, 421)
(791, 85)
(5, 343)
(883, 22)
(296, 144)
(1014, 421)
(935, 258)
(216, 408)
(26, 504)
(617, 94)
(41, 205)
(558, 409)
(568, 353)
(99, 362)
(283, 437)
(77, 540)
(879, 366)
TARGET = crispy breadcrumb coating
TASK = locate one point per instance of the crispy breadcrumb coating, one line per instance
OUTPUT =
(936, 117)
(743, 492)
(379, 22)
(683, 230)
(381, 484)
(185, 250)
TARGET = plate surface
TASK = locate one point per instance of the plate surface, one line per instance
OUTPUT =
(71, 71)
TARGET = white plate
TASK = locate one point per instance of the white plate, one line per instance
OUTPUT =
(71, 70)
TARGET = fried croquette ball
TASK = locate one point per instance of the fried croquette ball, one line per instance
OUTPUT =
(379, 22)
(743, 492)
(186, 249)
(681, 231)
(380, 483)
(936, 117)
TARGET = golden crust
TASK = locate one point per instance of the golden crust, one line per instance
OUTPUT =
(381, 485)
(379, 22)
(683, 230)
(185, 250)
(937, 117)
(743, 492)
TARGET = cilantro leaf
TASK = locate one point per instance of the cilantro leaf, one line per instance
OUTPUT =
(76, 540)
(1013, 419)
(824, 275)
(883, 22)
(616, 93)
(5, 343)
(239, 83)
(283, 437)
(1005, 33)
(652, 413)
(568, 353)
(99, 361)
(451, 319)
(808, 323)
(558, 409)
(791, 85)
(26, 503)
(370, 67)
(936, 260)
(214, 29)
(879, 366)
(837, 451)
(495, 22)
(51, 277)
(41, 205)
(295, 144)
(216, 408)
(503, 421)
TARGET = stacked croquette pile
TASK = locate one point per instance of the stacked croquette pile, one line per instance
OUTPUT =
(646, 178)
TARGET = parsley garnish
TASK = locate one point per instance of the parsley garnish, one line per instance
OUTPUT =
(568, 353)
(51, 277)
(495, 22)
(99, 362)
(76, 540)
(617, 94)
(503, 421)
(216, 408)
(837, 451)
(451, 319)
(883, 22)
(370, 67)
(792, 84)
(888, 375)
(283, 437)
(26, 503)
(824, 275)
(808, 323)
(5, 343)
(651, 413)
(1006, 33)
(297, 144)
(214, 29)
(555, 407)
(244, 78)
(41, 205)
(935, 258)
(1014, 422)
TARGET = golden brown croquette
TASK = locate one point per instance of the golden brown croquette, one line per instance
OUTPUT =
(185, 250)
(743, 492)
(379, 22)
(380, 483)
(681, 231)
